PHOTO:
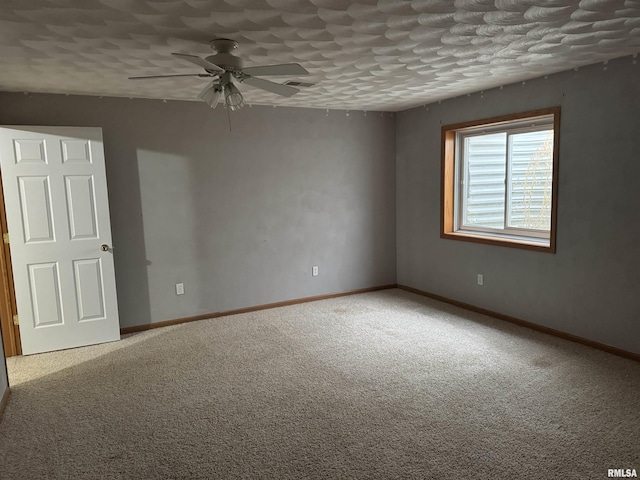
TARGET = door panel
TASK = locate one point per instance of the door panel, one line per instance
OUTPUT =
(30, 151)
(57, 209)
(45, 294)
(35, 203)
(89, 291)
(81, 206)
(76, 151)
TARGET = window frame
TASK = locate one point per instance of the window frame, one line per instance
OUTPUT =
(451, 215)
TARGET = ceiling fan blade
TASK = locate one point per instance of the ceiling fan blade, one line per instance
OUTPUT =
(284, 69)
(200, 61)
(284, 90)
(201, 75)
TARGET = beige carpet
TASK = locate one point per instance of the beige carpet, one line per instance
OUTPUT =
(374, 386)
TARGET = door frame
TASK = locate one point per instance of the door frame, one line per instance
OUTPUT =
(8, 308)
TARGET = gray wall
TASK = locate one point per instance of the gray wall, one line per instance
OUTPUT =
(591, 286)
(240, 217)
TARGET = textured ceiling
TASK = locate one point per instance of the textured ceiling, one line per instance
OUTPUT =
(362, 55)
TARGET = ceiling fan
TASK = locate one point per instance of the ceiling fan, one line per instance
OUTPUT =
(222, 67)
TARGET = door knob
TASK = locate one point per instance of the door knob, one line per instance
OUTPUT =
(104, 247)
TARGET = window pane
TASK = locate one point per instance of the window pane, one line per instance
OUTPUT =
(531, 178)
(484, 187)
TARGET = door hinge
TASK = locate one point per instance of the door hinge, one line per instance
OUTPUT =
(5, 237)
(16, 321)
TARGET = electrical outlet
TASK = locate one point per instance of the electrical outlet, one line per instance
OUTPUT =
(179, 288)
(480, 279)
(314, 271)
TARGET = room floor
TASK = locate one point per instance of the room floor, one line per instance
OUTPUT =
(379, 385)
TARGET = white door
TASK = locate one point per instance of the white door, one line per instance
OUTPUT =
(55, 191)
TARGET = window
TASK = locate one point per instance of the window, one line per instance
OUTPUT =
(499, 180)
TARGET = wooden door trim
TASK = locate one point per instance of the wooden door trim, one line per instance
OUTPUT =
(10, 332)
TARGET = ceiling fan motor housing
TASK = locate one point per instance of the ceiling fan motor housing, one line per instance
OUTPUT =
(229, 62)
(223, 57)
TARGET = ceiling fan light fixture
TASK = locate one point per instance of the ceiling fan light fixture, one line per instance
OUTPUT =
(233, 97)
(222, 67)
(211, 96)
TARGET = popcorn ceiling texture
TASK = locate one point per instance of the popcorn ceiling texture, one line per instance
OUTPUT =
(362, 55)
